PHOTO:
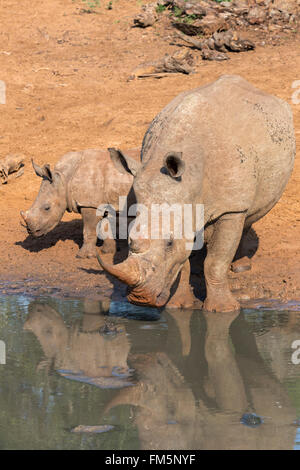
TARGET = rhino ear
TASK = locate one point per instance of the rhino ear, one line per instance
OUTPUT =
(123, 163)
(44, 172)
(174, 164)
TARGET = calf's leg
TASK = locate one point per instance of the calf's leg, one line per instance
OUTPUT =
(90, 220)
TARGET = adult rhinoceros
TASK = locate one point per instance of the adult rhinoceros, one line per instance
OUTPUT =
(80, 183)
(226, 145)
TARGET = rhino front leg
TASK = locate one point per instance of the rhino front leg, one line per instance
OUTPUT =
(184, 297)
(221, 249)
(88, 249)
(109, 246)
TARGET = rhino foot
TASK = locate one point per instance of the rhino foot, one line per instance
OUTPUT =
(86, 252)
(109, 246)
(221, 302)
(184, 299)
(185, 304)
(241, 265)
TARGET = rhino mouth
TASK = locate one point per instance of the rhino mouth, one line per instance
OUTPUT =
(144, 295)
(37, 232)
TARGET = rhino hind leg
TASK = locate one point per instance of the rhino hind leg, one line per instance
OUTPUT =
(221, 249)
(88, 249)
(247, 248)
(242, 261)
(240, 265)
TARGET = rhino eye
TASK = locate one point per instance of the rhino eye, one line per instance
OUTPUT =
(46, 207)
(170, 242)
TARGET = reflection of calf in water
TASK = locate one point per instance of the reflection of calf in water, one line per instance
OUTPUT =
(93, 356)
(208, 389)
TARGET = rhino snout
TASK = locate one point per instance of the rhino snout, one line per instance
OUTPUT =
(30, 225)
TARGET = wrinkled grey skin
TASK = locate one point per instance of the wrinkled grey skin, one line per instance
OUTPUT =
(79, 183)
(226, 145)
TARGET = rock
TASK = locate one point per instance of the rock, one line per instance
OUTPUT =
(274, 27)
(226, 4)
(195, 9)
(285, 16)
(232, 42)
(208, 54)
(179, 62)
(274, 14)
(181, 4)
(11, 166)
(240, 3)
(93, 429)
(206, 26)
(284, 5)
(220, 42)
(240, 11)
(212, 23)
(256, 15)
(147, 17)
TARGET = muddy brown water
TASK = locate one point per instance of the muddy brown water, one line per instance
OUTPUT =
(80, 374)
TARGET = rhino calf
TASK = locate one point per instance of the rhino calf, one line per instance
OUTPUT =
(80, 182)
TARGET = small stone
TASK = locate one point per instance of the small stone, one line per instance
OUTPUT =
(256, 15)
(92, 429)
(206, 26)
(147, 17)
(284, 5)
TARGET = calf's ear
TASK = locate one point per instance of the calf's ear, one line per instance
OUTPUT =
(123, 163)
(174, 164)
(43, 172)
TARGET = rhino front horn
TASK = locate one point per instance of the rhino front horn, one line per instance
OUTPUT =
(128, 271)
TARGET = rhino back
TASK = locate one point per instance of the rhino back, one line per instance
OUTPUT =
(96, 181)
(68, 163)
(237, 141)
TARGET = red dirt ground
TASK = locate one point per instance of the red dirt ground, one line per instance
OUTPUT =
(66, 75)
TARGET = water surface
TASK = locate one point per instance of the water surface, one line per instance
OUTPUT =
(86, 375)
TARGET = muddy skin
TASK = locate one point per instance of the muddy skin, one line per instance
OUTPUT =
(237, 167)
(79, 183)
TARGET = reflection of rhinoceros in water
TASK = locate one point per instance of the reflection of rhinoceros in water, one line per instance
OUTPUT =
(277, 349)
(230, 400)
(202, 383)
(87, 356)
